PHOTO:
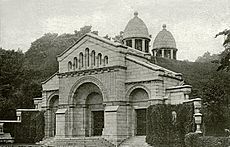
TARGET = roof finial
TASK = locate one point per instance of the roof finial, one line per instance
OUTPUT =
(135, 13)
(164, 26)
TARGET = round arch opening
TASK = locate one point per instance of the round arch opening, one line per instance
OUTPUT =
(53, 105)
(88, 111)
(138, 94)
(139, 100)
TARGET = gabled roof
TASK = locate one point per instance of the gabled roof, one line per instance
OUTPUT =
(115, 44)
(43, 82)
(152, 66)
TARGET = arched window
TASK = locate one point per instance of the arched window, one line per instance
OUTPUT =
(75, 63)
(99, 60)
(87, 57)
(81, 60)
(106, 60)
(69, 66)
(93, 58)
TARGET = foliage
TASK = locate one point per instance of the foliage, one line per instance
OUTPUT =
(42, 54)
(197, 74)
(31, 129)
(118, 38)
(14, 84)
(193, 140)
(215, 106)
(212, 86)
(225, 55)
(208, 58)
(162, 129)
(225, 60)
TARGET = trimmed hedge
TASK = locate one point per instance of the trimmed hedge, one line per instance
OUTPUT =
(31, 129)
(162, 130)
(191, 139)
(194, 140)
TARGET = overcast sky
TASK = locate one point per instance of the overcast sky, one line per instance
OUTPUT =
(193, 23)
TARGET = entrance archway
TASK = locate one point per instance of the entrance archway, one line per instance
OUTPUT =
(89, 118)
(53, 105)
(138, 99)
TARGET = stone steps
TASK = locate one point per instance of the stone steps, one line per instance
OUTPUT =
(135, 141)
(78, 142)
(46, 141)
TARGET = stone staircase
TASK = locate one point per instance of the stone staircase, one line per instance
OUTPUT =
(46, 142)
(135, 141)
(76, 142)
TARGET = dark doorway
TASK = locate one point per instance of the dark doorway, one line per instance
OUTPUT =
(98, 122)
(141, 122)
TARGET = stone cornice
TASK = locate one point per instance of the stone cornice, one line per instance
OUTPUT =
(50, 90)
(169, 76)
(92, 71)
(143, 81)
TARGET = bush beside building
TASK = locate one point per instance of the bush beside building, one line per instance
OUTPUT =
(168, 124)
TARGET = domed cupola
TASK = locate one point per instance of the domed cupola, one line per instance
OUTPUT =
(164, 44)
(136, 34)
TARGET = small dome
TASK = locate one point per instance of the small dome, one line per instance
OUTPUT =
(164, 39)
(136, 28)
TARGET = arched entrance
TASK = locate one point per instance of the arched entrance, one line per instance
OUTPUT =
(88, 111)
(53, 105)
(138, 99)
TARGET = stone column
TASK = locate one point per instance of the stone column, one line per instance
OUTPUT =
(133, 43)
(143, 45)
(163, 53)
(155, 53)
(71, 123)
(125, 43)
(171, 53)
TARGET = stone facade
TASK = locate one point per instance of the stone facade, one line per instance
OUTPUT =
(103, 88)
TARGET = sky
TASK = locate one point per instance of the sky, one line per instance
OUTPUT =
(193, 23)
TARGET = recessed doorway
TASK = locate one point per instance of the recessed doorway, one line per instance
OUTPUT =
(98, 122)
(141, 122)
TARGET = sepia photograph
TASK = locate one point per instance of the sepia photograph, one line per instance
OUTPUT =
(114, 73)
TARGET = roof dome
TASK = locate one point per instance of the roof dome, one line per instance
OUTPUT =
(136, 28)
(164, 39)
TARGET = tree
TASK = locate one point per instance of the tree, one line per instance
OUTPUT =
(13, 79)
(118, 38)
(41, 56)
(215, 98)
(225, 55)
(208, 58)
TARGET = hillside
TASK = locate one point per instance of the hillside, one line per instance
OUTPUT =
(199, 75)
(41, 56)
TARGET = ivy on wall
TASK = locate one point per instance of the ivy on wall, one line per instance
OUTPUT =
(168, 124)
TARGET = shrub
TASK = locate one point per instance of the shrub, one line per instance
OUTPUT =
(194, 140)
(191, 139)
(162, 130)
(211, 141)
(31, 129)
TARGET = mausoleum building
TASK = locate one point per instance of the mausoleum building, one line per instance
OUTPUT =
(102, 88)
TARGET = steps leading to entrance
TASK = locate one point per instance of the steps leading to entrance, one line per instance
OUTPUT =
(135, 141)
(78, 142)
(46, 142)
